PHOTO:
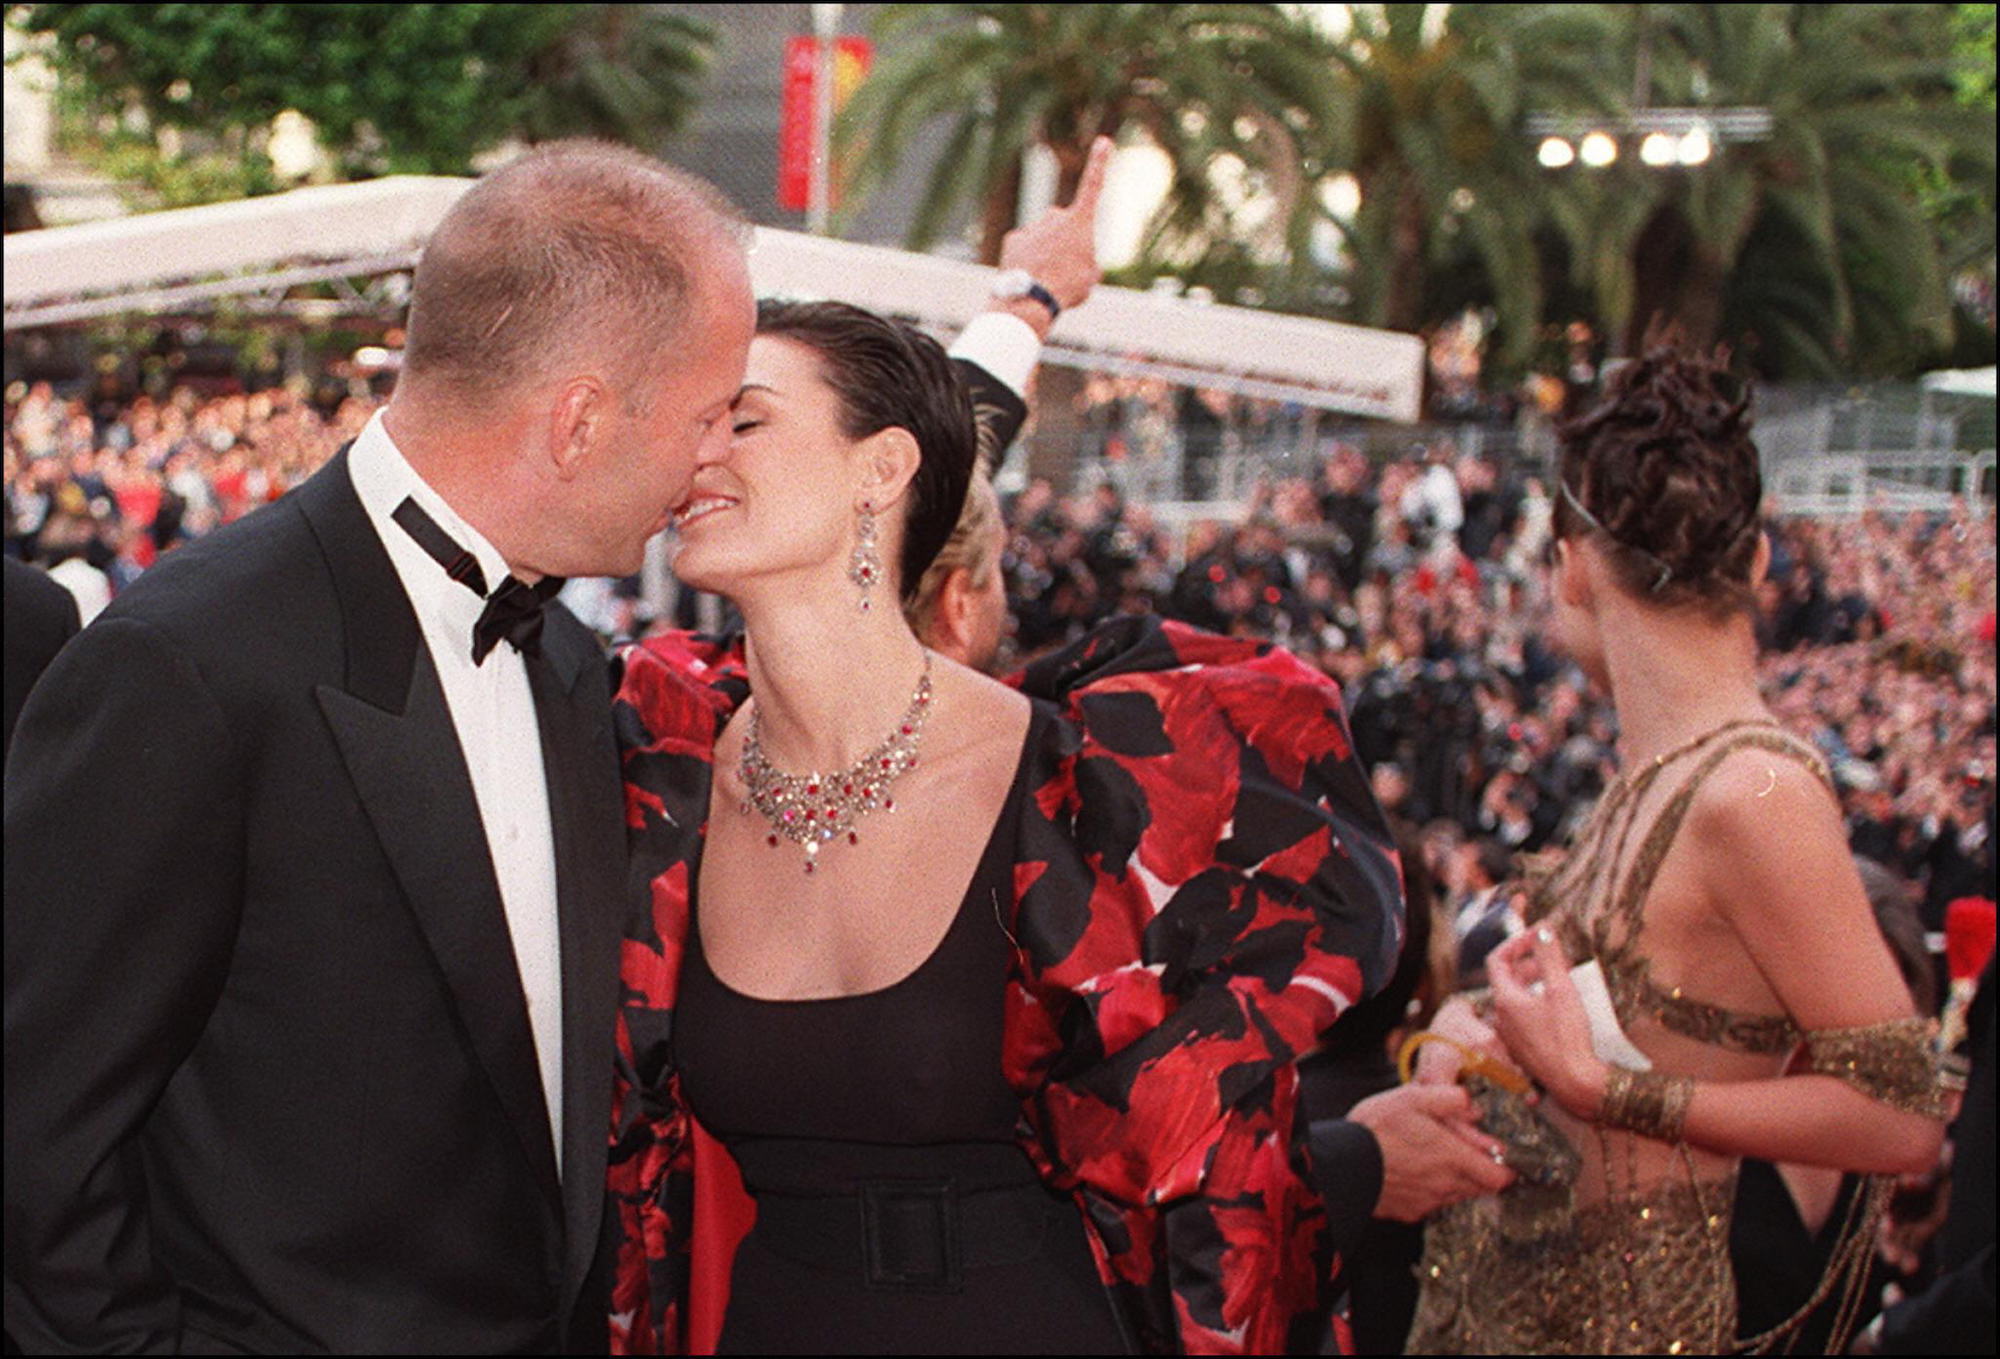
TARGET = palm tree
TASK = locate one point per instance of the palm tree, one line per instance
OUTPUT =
(1201, 81)
(624, 72)
(1432, 98)
(1816, 241)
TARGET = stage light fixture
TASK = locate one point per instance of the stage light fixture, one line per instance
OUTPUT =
(1659, 148)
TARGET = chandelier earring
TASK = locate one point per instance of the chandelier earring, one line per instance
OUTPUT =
(864, 568)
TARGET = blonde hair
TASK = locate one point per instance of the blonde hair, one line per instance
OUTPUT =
(967, 547)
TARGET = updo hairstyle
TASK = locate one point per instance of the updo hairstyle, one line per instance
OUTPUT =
(889, 375)
(1663, 472)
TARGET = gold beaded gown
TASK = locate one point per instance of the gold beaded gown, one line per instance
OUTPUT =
(1632, 1257)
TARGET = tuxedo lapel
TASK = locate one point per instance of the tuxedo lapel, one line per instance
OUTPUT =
(571, 687)
(395, 734)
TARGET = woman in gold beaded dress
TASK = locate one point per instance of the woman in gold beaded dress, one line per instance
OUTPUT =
(1761, 1014)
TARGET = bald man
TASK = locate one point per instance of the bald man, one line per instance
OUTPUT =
(314, 846)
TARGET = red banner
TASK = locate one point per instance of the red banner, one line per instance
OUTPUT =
(796, 130)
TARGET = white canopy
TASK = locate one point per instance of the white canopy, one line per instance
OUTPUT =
(171, 259)
(1961, 382)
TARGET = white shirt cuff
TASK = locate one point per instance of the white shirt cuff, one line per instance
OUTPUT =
(1003, 344)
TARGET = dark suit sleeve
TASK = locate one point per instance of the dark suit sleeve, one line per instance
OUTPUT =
(1955, 1315)
(123, 891)
(1347, 1170)
(999, 409)
(41, 617)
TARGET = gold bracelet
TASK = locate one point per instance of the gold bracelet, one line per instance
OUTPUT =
(1895, 1062)
(1646, 1103)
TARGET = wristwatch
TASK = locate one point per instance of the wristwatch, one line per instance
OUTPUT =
(1009, 284)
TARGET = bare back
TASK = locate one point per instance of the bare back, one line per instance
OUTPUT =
(1714, 889)
(1636, 895)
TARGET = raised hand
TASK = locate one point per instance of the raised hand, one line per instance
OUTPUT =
(1059, 248)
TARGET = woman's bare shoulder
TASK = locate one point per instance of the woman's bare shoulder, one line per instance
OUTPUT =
(981, 716)
(1770, 842)
(1768, 794)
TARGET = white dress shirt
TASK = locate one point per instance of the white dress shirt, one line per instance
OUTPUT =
(1003, 344)
(493, 711)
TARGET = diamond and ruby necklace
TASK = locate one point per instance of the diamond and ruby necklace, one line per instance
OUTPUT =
(814, 809)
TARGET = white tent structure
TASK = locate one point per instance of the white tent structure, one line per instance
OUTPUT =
(1961, 382)
(186, 256)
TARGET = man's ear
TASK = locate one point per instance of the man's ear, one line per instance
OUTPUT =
(576, 423)
(1760, 562)
(951, 618)
(889, 461)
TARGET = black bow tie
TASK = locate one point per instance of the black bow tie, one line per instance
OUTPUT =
(513, 612)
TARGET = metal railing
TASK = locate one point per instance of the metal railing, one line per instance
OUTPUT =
(1826, 450)
(1843, 485)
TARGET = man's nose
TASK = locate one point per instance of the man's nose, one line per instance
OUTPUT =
(714, 445)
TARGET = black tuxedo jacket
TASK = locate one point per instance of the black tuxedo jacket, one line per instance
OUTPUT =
(270, 1083)
(41, 616)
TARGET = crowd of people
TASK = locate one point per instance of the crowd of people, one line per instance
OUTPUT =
(1417, 584)
(1096, 1121)
(98, 486)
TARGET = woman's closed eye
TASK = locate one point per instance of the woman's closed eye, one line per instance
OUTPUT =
(743, 424)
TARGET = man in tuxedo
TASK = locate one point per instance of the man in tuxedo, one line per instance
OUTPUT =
(41, 617)
(314, 850)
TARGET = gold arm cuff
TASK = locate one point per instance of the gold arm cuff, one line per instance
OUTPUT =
(1647, 1103)
(1895, 1062)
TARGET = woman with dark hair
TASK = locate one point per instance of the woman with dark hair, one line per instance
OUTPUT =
(1713, 918)
(964, 1018)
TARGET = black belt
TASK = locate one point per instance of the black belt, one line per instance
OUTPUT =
(909, 1234)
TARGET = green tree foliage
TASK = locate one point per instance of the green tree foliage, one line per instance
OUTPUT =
(1972, 27)
(1202, 81)
(1815, 245)
(1431, 101)
(391, 88)
(631, 73)
(1960, 197)
(1827, 248)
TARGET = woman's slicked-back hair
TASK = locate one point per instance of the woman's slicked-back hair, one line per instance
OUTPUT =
(889, 375)
(1663, 470)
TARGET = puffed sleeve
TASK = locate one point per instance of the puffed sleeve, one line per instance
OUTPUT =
(1204, 884)
(675, 696)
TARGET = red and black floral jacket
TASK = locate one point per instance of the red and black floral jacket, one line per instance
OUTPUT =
(1203, 882)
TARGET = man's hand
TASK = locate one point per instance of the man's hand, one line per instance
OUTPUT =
(1433, 1152)
(1902, 1236)
(1059, 248)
